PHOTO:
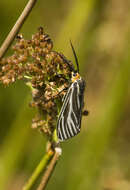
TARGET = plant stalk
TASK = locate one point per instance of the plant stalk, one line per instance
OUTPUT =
(50, 169)
(16, 27)
(39, 169)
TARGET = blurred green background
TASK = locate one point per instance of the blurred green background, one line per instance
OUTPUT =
(99, 157)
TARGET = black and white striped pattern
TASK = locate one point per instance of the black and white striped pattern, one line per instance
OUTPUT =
(69, 121)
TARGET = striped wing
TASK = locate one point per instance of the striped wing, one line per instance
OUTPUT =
(69, 121)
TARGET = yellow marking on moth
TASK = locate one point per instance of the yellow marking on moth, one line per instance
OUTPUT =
(74, 78)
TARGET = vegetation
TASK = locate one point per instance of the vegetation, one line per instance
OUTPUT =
(98, 158)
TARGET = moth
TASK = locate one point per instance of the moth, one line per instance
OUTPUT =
(69, 120)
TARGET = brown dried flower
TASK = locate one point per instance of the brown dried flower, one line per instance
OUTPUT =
(47, 72)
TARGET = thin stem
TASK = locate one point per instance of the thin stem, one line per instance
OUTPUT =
(16, 27)
(50, 169)
(42, 165)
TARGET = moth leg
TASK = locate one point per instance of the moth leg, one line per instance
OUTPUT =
(53, 97)
(67, 61)
(61, 76)
(64, 89)
(85, 113)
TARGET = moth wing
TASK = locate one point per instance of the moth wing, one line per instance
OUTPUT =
(69, 121)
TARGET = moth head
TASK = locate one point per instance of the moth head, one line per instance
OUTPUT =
(75, 76)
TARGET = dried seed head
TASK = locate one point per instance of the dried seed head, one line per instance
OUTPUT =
(44, 70)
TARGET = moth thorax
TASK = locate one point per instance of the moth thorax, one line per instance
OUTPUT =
(75, 76)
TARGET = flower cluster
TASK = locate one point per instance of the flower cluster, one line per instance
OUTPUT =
(47, 72)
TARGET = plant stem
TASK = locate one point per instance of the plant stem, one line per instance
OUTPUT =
(43, 163)
(50, 169)
(16, 27)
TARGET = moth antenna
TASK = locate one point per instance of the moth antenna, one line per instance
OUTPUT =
(75, 56)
